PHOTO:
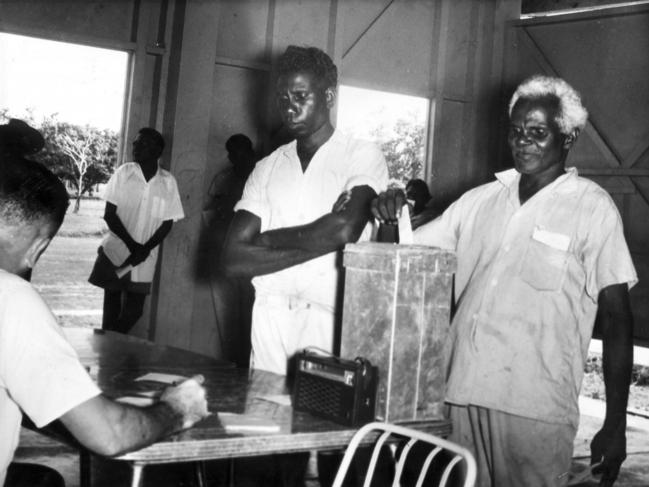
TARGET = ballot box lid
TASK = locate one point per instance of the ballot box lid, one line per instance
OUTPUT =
(386, 257)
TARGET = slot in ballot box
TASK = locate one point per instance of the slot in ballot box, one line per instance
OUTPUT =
(396, 314)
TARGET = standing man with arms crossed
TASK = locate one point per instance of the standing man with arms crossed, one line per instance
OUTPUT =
(284, 233)
(142, 202)
(541, 253)
(40, 373)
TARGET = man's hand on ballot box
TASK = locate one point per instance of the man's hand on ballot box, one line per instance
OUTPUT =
(387, 206)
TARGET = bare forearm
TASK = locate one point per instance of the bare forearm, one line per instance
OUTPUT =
(159, 235)
(324, 235)
(116, 226)
(111, 428)
(251, 259)
(618, 364)
(616, 324)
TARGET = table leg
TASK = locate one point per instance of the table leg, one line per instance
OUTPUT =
(199, 469)
(138, 470)
(84, 469)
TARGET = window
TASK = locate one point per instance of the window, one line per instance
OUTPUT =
(398, 123)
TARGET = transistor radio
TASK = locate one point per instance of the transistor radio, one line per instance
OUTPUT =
(343, 391)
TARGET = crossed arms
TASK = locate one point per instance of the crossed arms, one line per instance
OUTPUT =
(249, 252)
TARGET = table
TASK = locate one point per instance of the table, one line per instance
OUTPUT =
(115, 360)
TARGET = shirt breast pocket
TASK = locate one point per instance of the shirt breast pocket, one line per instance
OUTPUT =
(545, 262)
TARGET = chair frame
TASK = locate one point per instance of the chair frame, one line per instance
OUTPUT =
(385, 431)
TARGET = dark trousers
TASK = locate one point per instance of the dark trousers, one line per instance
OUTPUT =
(122, 309)
(32, 475)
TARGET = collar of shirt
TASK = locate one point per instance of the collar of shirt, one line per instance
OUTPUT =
(137, 172)
(563, 184)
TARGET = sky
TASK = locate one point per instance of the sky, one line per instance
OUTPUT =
(83, 85)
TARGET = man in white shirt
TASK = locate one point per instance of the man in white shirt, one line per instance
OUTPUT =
(40, 374)
(541, 253)
(284, 233)
(142, 202)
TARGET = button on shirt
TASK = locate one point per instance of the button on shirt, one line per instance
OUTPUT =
(142, 206)
(527, 285)
(282, 195)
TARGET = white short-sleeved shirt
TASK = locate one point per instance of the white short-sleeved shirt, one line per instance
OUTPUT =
(40, 373)
(142, 206)
(527, 285)
(282, 195)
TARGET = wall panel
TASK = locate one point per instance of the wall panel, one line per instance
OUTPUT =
(69, 20)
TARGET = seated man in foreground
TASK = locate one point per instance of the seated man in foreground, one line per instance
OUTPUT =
(40, 373)
(541, 253)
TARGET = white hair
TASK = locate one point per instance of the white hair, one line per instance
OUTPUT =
(572, 114)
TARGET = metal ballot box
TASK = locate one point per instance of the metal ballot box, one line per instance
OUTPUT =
(396, 314)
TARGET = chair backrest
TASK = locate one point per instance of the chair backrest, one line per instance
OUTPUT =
(417, 457)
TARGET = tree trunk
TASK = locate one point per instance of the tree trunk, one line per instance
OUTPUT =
(77, 202)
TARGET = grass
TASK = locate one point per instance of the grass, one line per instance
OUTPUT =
(61, 275)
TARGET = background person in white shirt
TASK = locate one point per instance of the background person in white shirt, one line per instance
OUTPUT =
(142, 202)
(541, 252)
(40, 374)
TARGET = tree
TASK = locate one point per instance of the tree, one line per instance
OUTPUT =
(404, 149)
(83, 156)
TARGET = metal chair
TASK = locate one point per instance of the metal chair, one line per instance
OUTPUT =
(445, 457)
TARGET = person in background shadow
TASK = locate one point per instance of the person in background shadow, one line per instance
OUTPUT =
(232, 296)
(541, 254)
(142, 202)
(227, 186)
(40, 373)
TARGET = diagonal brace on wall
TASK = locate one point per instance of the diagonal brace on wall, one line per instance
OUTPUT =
(368, 28)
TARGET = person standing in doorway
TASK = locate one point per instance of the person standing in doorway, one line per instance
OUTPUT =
(142, 202)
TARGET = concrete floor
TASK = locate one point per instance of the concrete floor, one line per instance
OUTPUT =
(36, 449)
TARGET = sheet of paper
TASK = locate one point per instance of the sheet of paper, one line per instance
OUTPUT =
(242, 423)
(281, 399)
(405, 228)
(163, 378)
(136, 401)
(122, 271)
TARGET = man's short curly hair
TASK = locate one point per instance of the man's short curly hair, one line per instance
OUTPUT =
(572, 114)
(30, 193)
(311, 60)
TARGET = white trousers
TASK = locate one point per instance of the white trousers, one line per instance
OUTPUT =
(282, 326)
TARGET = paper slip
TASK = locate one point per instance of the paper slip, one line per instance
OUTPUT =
(242, 423)
(122, 271)
(405, 228)
(164, 378)
(281, 399)
(136, 401)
